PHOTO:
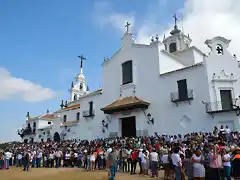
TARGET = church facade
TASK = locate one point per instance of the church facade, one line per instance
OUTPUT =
(165, 87)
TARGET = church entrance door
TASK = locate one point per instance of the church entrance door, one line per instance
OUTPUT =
(129, 126)
(56, 136)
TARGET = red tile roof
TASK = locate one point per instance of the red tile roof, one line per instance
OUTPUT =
(125, 102)
(48, 116)
(69, 123)
(75, 106)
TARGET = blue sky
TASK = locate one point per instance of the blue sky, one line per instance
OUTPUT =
(41, 39)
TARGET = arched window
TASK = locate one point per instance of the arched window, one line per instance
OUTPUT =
(219, 49)
(34, 124)
(127, 72)
(172, 47)
(74, 97)
(81, 86)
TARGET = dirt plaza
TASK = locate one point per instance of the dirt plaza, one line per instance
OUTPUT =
(64, 174)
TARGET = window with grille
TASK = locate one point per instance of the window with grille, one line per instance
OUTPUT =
(127, 72)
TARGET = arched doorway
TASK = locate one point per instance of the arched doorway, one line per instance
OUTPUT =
(56, 136)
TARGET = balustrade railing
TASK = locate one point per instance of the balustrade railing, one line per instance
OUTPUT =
(216, 106)
(175, 96)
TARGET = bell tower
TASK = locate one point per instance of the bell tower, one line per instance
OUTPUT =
(79, 86)
(177, 41)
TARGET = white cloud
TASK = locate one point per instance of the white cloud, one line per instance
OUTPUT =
(17, 88)
(205, 19)
(202, 19)
(104, 15)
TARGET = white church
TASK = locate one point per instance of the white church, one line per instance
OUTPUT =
(165, 87)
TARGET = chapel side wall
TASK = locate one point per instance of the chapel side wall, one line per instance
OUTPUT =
(71, 116)
(88, 127)
(91, 127)
(180, 119)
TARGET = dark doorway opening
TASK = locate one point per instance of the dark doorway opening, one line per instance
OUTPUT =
(32, 141)
(182, 89)
(226, 99)
(129, 126)
(25, 141)
(56, 137)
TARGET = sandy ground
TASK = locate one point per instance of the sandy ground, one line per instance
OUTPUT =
(63, 174)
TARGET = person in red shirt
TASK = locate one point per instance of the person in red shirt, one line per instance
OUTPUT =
(98, 158)
(158, 146)
(150, 148)
(134, 157)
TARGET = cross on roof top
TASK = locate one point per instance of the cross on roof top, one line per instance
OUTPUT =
(175, 19)
(127, 26)
(81, 58)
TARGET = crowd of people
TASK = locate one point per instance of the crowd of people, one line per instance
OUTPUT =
(211, 156)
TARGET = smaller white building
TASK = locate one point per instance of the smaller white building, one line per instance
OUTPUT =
(37, 129)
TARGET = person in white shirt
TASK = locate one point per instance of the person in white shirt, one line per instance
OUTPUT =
(227, 134)
(144, 148)
(153, 157)
(19, 159)
(226, 164)
(67, 159)
(8, 155)
(198, 168)
(51, 159)
(145, 162)
(58, 155)
(129, 160)
(108, 151)
(221, 130)
(227, 129)
(176, 161)
(39, 158)
(175, 140)
(165, 162)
